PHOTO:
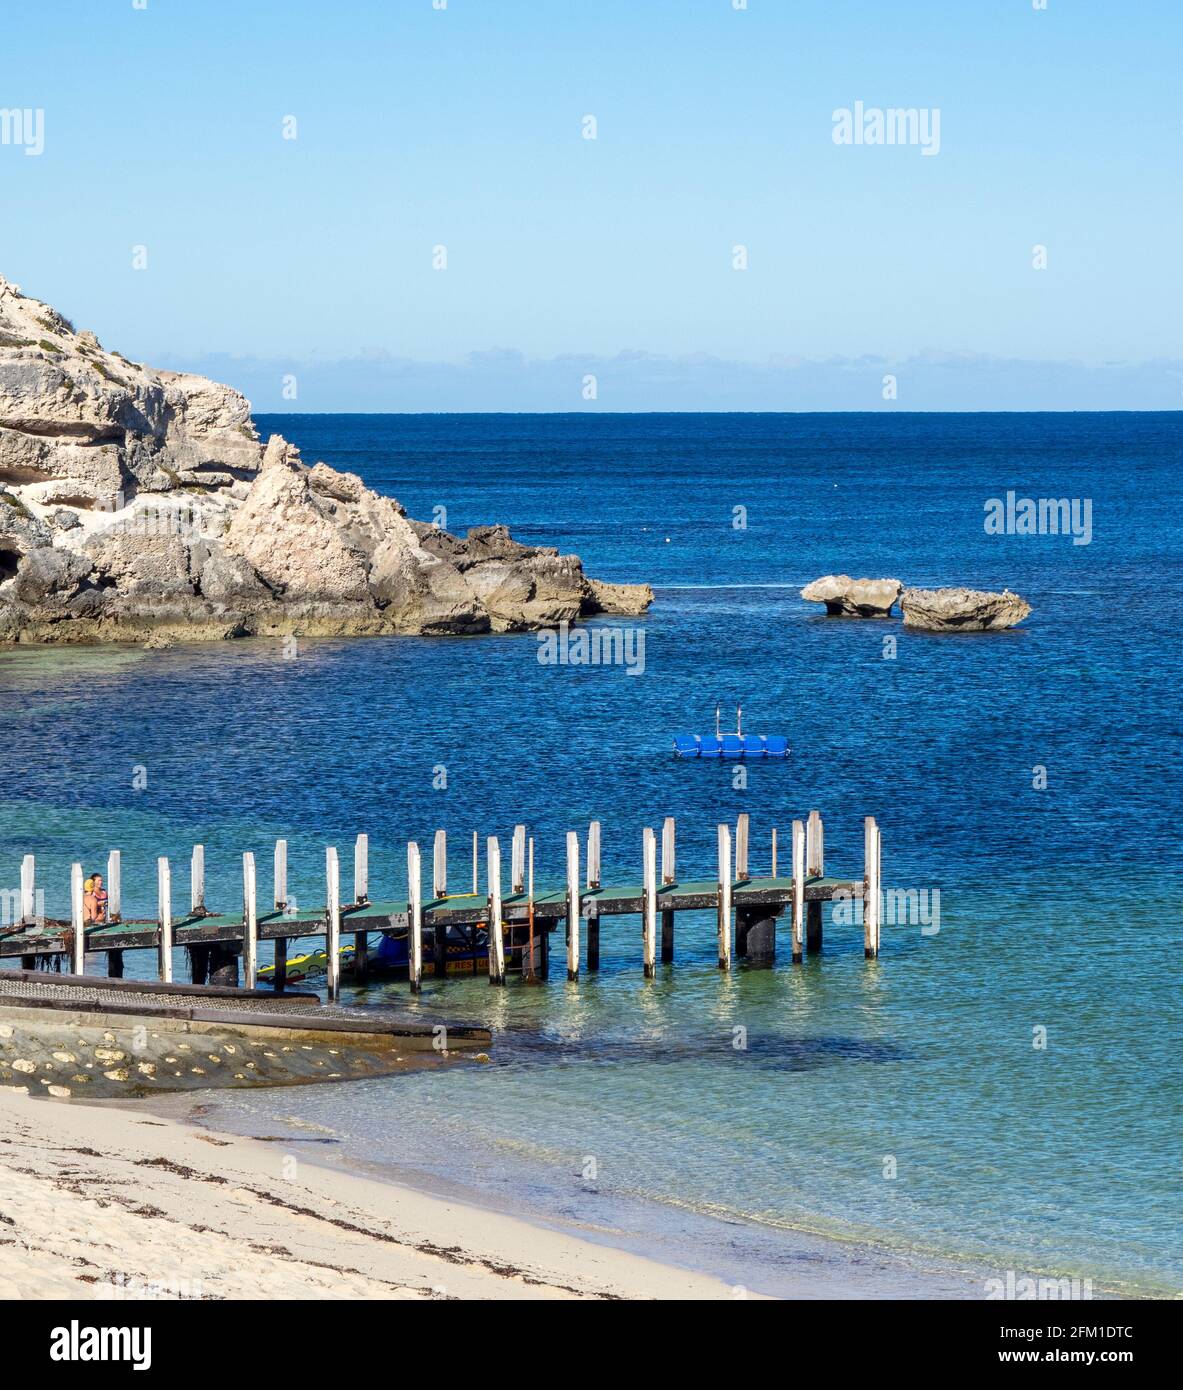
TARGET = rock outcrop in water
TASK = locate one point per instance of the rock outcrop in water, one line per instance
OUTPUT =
(962, 610)
(138, 503)
(854, 598)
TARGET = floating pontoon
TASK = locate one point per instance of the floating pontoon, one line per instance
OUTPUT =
(736, 745)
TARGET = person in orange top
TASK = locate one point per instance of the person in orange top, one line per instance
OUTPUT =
(100, 899)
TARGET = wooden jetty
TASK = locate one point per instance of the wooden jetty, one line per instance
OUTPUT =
(515, 919)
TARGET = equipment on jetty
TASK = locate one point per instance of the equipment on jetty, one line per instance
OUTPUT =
(736, 745)
(494, 932)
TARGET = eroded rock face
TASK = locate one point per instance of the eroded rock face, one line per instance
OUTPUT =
(136, 503)
(962, 610)
(854, 598)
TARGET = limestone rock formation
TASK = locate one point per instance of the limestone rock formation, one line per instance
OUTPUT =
(854, 598)
(141, 504)
(962, 610)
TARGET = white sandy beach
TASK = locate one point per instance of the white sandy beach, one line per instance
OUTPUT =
(98, 1202)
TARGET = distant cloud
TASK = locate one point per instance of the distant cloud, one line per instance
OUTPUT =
(503, 379)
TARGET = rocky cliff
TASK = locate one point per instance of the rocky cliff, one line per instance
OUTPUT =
(137, 503)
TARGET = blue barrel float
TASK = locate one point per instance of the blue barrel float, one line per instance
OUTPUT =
(736, 745)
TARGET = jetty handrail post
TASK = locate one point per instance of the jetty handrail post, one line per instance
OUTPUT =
(741, 846)
(439, 865)
(164, 917)
(517, 874)
(529, 973)
(572, 905)
(250, 921)
(197, 879)
(361, 869)
(496, 926)
(669, 871)
(280, 875)
(798, 892)
(649, 901)
(724, 907)
(414, 918)
(774, 851)
(333, 923)
(872, 898)
(593, 854)
(28, 888)
(815, 851)
(77, 922)
(114, 886)
(476, 885)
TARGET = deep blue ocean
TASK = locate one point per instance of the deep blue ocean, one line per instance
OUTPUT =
(903, 1105)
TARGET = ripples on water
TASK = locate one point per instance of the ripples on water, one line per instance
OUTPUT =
(1059, 908)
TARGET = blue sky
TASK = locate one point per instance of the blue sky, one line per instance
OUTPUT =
(461, 127)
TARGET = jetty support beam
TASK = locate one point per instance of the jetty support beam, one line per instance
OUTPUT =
(668, 876)
(496, 925)
(572, 905)
(333, 932)
(415, 920)
(649, 900)
(164, 919)
(872, 887)
(724, 904)
(798, 892)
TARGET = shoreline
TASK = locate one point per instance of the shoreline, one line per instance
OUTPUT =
(217, 1214)
(750, 1258)
(100, 1201)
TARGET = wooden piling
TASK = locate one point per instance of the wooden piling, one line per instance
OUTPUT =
(496, 925)
(530, 964)
(649, 899)
(197, 880)
(250, 922)
(115, 896)
(774, 851)
(872, 887)
(28, 889)
(77, 922)
(798, 892)
(572, 905)
(517, 866)
(724, 908)
(668, 876)
(280, 978)
(741, 847)
(164, 918)
(439, 865)
(815, 849)
(333, 932)
(593, 854)
(280, 875)
(815, 867)
(593, 937)
(476, 886)
(361, 869)
(415, 919)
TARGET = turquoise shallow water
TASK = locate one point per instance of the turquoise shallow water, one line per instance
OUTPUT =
(1059, 907)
